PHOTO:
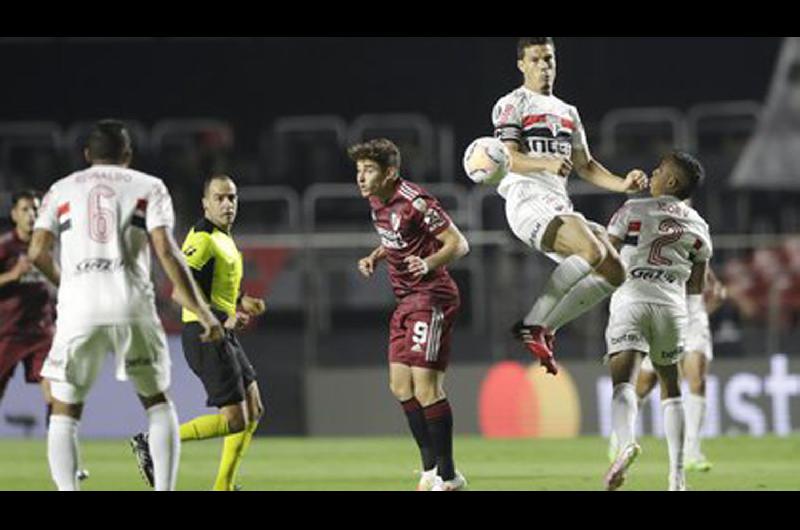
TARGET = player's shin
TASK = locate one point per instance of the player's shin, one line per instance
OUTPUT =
(564, 278)
(165, 446)
(233, 450)
(62, 452)
(695, 409)
(439, 418)
(674, 429)
(419, 429)
(584, 296)
(623, 414)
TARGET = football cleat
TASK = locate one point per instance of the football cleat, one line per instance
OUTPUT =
(82, 474)
(141, 450)
(427, 480)
(539, 342)
(699, 464)
(615, 477)
(459, 483)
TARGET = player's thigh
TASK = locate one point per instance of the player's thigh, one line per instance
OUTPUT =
(428, 385)
(695, 370)
(625, 332)
(624, 366)
(75, 360)
(143, 357)
(217, 365)
(571, 235)
(667, 334)
(401, 381)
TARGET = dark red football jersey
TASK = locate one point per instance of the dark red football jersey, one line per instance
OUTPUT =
(408, 225)
(27, 307)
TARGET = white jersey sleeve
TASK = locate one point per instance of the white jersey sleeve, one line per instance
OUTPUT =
(507, 119)
(160, 212)
(579, 141)
(47, 218)
(618, 226)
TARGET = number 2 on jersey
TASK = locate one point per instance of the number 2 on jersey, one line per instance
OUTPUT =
(674, 231)
(101, 218)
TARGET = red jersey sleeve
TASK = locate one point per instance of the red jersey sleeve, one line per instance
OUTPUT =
(432, 216)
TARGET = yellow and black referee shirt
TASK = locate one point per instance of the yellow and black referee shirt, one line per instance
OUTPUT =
(216, 264)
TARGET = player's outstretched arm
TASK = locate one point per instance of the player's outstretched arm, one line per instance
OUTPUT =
(454, 247)
(593, 172)
(40, 252)
(522, 164)
(187, 294)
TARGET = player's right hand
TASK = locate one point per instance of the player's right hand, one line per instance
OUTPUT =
(22, 267)
(212, 329)
(366, 266)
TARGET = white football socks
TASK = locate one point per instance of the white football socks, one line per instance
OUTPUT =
(165, 445)
(62, 452)
(589, 292)
(674, 429)
(564, 278)
(695, 416)
(623, 414)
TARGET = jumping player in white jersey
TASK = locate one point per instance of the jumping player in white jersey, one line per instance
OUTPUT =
(547, 141)
(694, 369)
(665, 246)
(105, 218)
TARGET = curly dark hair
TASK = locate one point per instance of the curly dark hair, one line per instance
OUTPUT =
(381, 151)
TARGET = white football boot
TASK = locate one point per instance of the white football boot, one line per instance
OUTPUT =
(615, 477)
(459, 483)
(427, 480)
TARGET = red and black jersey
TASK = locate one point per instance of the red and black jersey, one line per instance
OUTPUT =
(408, 225)
(27, 307)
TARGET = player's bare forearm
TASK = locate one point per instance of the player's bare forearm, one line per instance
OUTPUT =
(525, 165)
(595, 173)
(697, 281)
(40, 253)
(454, 247)
(379, 254)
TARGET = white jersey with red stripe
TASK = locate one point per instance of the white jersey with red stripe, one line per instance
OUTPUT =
(543, 126)
(102, 217)
(663, 239)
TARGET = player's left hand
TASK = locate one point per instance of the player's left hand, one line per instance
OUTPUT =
(417, 266)
(254, 307)
(237, 322)
(636, 181)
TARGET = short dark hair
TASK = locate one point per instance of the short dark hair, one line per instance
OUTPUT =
(17, 196)
(109, 140)
(692, 171)
(212, 178)
(381, 151)
(526, 42)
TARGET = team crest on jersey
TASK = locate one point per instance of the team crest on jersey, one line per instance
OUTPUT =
(555, 125)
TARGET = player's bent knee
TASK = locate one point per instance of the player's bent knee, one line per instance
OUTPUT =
(613, 271)
(594, 253)
(428, 397)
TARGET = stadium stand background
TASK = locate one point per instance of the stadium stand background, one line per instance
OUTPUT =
(278, 113)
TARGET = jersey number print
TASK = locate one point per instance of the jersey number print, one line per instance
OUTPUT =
(101, 219)
(674, 231)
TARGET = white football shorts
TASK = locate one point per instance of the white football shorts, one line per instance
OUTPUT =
(529, 212)
(656, 330)
(77, 356)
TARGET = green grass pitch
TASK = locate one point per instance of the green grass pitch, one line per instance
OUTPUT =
(388, 464)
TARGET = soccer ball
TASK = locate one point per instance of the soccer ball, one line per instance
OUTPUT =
(487, 161)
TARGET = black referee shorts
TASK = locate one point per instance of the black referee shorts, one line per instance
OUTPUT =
(223, 367)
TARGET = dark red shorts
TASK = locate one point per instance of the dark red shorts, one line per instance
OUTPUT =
(420, 334)
(32, 351)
